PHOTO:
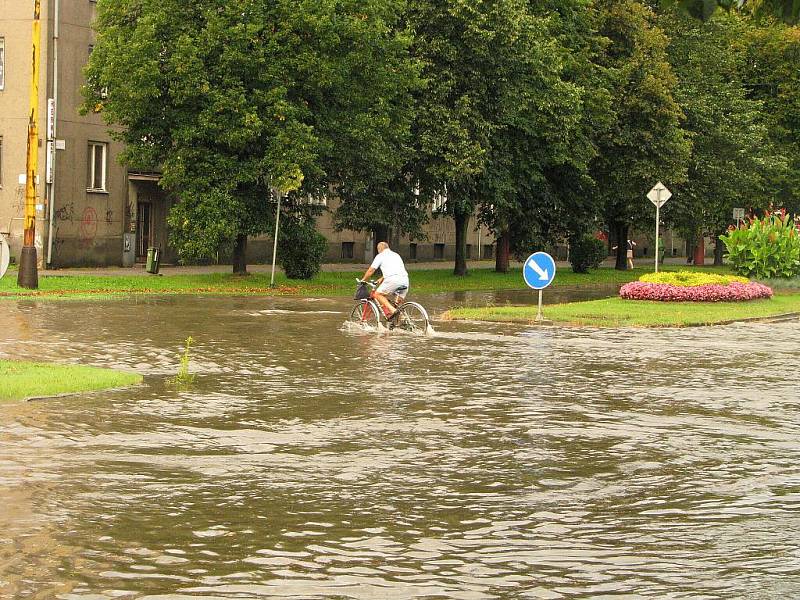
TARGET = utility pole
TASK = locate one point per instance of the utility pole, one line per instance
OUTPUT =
(28, 271)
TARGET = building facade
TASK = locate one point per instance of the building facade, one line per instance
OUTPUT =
(92, 211)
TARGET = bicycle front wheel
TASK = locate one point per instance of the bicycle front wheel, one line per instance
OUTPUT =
(414, 318)
(365, 314)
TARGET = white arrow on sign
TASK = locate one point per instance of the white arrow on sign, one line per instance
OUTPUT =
(542, 273)
(659, 195)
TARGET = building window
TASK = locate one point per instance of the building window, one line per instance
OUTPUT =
(317, 200)
(2, 64)
(412, 251)
(347, 249)
(98, 163)
(488, 251)
(438, 251)
(469, 251)
(440, 202)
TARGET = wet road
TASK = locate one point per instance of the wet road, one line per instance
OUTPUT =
(310, 461)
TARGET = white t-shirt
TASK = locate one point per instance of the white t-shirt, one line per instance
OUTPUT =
(391, 265)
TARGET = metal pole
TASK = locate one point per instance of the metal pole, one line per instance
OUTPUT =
(539, 315)
(657, 220)
(28, 270)
(52, 184)
(275, 243)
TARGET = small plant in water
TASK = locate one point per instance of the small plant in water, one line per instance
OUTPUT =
(184, 378)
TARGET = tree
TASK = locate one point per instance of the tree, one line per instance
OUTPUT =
(232, 98)
(787, 11)
(493, 79)
(732, 160)
(538, 179)
(771, 75)
(645, 144)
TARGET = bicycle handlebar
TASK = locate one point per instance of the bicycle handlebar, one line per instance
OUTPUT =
(372, 284)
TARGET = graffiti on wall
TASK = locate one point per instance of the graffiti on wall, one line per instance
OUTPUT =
(88, 227)
(66, 212)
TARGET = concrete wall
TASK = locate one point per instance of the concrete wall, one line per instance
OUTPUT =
(87, 225)
(15, 28)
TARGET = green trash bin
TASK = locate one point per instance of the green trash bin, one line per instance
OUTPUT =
(153, 260)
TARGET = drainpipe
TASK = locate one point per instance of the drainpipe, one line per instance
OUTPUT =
(51, 186)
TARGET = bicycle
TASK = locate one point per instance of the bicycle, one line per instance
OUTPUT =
(410, 316)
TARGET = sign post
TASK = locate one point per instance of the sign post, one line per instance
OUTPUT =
(738, 215)
(658, 196)
(275, 242)
(538, 272)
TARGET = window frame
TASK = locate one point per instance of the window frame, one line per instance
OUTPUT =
(92, 163)
(348, 250)
(2, 63)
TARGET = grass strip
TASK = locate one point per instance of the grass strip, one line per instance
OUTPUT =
(616, 312)
(20, 380)
(326, 284)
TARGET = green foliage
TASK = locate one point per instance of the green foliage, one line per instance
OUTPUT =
(646, 142)
(733, 161)
(301, 249)
(785, 10)
(765, 248)
(184, 378)
(691, 278)
(770, 67)
(230, 99)
(501, 111)
(586, 252)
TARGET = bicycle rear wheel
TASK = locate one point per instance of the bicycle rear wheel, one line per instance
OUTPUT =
(413, 318)
(366, 314)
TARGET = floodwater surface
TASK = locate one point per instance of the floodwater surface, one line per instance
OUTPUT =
(312, 461)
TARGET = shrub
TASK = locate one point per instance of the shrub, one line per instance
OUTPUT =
(301, 249)
(586, 252)
(765, 248)
(736, 291)
(691, 278)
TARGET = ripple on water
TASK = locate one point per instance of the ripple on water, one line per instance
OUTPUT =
(486, 461)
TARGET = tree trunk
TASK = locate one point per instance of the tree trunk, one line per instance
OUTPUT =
(462, 224)
(622, 247)
(700, 252)
(719, 249)
(501, 255)
(240, 255)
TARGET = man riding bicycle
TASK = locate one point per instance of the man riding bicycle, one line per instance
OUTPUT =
(394, 280)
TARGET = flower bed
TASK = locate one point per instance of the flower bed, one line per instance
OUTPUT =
(665, 292)
(692, 278)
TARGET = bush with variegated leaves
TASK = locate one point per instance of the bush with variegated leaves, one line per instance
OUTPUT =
(765, 248)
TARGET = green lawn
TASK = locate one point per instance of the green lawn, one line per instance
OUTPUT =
(20, 380)
(324, 284)
(616, 312)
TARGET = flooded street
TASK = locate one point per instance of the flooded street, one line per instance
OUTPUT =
(487, 461)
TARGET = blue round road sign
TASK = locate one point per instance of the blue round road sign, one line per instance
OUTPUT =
(539, 270)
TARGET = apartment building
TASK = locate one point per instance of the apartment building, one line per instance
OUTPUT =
(90, 209)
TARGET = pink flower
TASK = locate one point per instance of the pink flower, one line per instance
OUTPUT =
(663, 292)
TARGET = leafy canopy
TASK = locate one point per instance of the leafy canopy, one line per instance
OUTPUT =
(231, 98)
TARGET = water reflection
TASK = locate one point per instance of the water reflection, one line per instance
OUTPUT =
(488, 461)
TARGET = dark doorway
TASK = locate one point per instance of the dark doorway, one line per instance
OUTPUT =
(144, 229)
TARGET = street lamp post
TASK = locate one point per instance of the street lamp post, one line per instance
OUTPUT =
(28, 271)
